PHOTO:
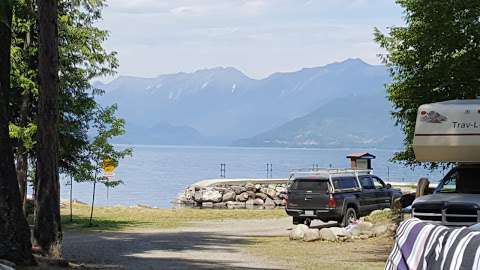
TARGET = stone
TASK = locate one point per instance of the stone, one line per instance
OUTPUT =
(235, 205)
(207, 205)
(380, 230)
(197, 197)
(392, 229)
(311, 235)
(261, 196)
(242, 197)
(279, 202)
(298, 232)
(341, 232)
(220, 205)
(249, 202)
(251, 194)
(281, 189)
(212, 196)
(238, 189)
(228, 196)
(257, 187)
(270, 192)
(362, 228)
(258, 201)
(269, 202)
(282, 196)
(250, 187)
(327, 235)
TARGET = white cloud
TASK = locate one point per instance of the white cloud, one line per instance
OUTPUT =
(257, 36)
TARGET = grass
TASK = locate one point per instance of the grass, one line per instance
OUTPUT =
(368, 254)
(139, 218)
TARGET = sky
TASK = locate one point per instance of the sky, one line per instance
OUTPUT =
(258, 37)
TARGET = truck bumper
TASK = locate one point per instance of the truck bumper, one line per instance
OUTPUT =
(322, 214)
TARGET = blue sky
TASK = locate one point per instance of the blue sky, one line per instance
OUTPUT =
(258, 37)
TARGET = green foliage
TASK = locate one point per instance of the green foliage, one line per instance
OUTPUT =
(24, 134)
(106, 126)
(82, 59)
(435, 57)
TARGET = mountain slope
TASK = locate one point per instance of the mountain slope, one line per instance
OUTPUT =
(359, 121)
(225, 104)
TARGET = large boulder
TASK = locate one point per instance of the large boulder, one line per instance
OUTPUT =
(197, 197)
(258, 201)
(298, 232)
(270, 192)
(279, 202)
(251, 194)
(381, 230)
(311, 235)
(220, 205)
(250, 187)
(362, 228)
(242, 197)
(207, 204)
(342, 234)
(228, 196)
(261, 196)
(238, 189)
(269, 202)
(212, 196)
(250, 202)
(235, 205)
(327, 234)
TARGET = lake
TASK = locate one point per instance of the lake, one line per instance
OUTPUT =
(156, 174)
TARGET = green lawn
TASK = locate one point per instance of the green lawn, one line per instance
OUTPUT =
(138, 218)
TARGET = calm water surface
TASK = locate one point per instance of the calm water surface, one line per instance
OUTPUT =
(156, 174)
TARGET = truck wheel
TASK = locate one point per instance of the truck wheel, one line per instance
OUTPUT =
(349, 217)
(307, 222)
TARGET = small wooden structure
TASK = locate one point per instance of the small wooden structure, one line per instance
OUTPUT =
(361, 160)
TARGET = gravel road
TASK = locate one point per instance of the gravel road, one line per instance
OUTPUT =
(204, 245)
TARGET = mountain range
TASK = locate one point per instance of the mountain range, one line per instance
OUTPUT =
(340, 104)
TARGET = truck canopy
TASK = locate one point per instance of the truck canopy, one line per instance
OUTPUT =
(448, 131)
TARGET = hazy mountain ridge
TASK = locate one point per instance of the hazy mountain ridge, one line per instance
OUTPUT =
(346, 122)
(225, 105)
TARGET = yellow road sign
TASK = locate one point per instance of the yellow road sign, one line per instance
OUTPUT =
(108, 166)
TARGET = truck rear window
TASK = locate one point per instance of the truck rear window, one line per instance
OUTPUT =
(310, 184)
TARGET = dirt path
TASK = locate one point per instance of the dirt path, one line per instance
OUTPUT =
(205, 245)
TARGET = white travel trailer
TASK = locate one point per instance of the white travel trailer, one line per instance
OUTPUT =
(448, 131)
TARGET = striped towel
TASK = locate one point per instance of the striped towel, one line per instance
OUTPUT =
(421, 245)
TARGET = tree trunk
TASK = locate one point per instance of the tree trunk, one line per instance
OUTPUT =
(14, 231)
(22, 155)
(22, 170)
(47, 230)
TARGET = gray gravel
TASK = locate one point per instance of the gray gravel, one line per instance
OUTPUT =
(205, 245)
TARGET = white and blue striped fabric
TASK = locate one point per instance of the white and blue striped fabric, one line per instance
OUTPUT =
(422, 245)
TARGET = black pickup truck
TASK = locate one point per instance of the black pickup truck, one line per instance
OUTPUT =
(337, 196)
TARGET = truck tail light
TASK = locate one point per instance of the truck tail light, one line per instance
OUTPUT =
(332, 203)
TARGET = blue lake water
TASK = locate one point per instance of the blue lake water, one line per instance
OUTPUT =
(156, 174)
